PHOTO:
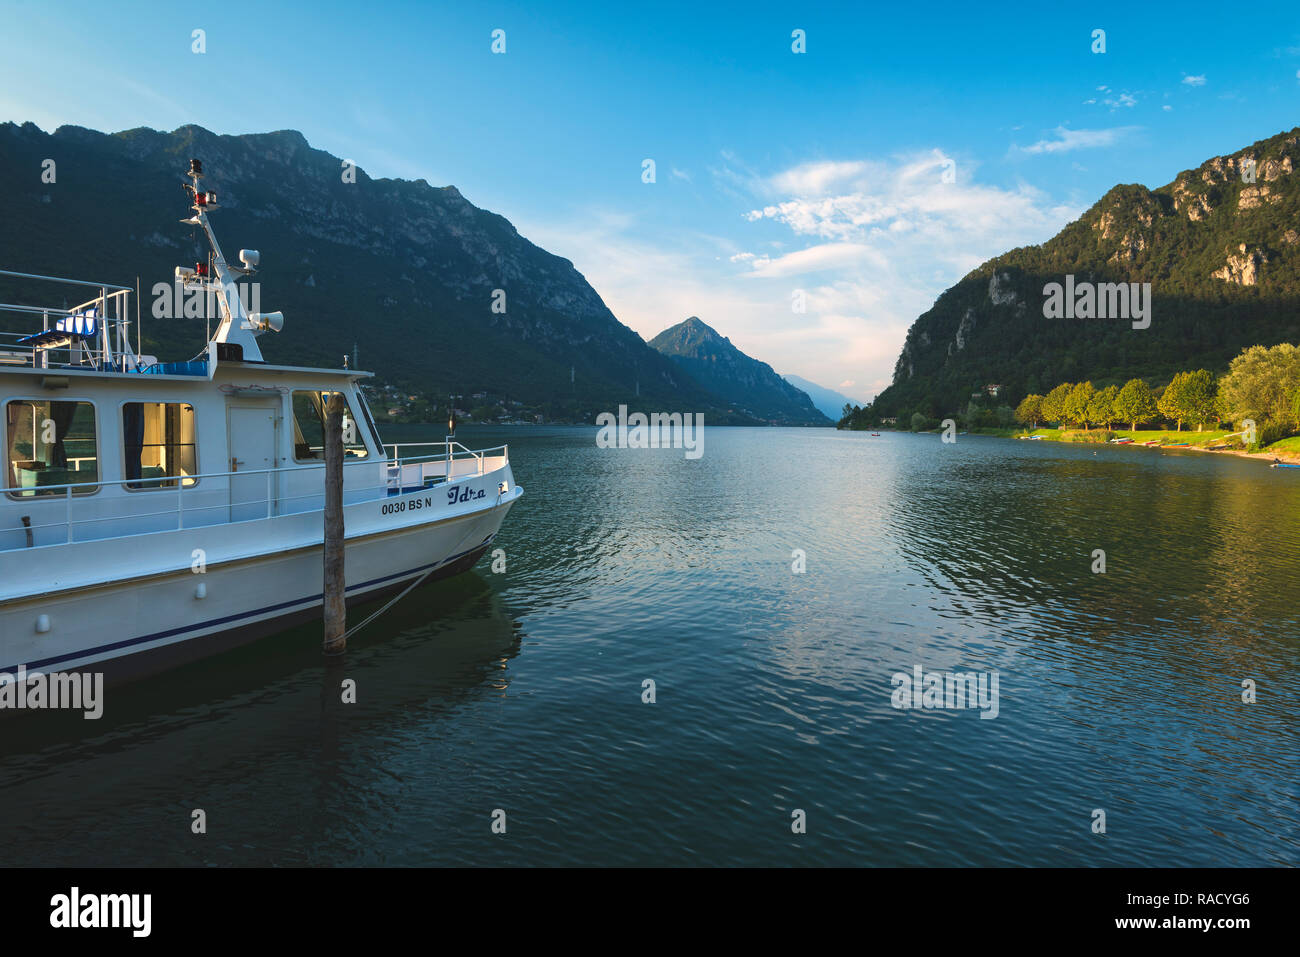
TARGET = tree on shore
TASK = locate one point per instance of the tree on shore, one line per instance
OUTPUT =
(1053, 405)
(1200, 394)
(1077, 402)
(856, 418)
(1101, 409)
(1261, 384)
(1135, 403)
(1189, 397)
(1170, 402)
(1030, 411)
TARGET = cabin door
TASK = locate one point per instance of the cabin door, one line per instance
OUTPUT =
(252, 436)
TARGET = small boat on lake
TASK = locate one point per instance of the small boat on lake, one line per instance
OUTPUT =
(153, 512)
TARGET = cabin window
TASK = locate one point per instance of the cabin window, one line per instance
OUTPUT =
(370, 420)
(50, 444)
(309, 428)
(159, 442)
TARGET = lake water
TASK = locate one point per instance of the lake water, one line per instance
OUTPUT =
(522, 691)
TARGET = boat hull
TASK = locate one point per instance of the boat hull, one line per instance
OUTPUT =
(132, 627)
(147, 663)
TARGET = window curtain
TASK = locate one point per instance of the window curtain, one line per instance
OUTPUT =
(133, 437)
(61, 414)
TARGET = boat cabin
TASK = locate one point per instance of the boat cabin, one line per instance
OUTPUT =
(100, 441)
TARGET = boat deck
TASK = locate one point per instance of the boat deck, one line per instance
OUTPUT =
(53, 515)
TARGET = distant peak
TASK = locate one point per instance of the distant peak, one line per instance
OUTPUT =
(747, 383)
(294, 135)
(695, 325)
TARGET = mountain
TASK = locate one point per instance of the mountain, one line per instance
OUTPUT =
(1219, 245)
(405, 270)
(827, 401)
(751, 386)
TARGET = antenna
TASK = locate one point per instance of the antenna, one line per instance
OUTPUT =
(237, 327)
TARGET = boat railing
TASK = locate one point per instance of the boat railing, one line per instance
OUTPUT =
(194, 503)
(107, 346)
(452, 450)
(450, 453)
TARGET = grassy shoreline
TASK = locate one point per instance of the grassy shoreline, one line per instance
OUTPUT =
(1288, 450)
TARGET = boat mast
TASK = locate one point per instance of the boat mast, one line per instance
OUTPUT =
(237, 325)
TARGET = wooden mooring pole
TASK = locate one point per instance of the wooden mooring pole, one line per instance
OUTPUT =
(335, 608)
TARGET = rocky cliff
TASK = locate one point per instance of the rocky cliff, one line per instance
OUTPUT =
(1218, 246)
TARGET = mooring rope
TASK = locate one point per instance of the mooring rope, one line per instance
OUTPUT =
(407, 590)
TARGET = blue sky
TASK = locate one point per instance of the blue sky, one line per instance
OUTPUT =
(822, 172)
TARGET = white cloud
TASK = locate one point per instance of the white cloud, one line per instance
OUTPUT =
(1067, 140)
(1123, 100)
(884, 239)
(815, 259)
(869, 243)
(1194, 80)
(816, 179)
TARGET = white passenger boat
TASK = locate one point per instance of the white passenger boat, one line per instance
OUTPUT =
(153, 512)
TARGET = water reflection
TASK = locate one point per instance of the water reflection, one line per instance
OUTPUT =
(260, 733)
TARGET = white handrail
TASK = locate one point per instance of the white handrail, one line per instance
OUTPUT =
(195, 499)
(70, 282)
(462, 450)
(111, 321)
(193, 479)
